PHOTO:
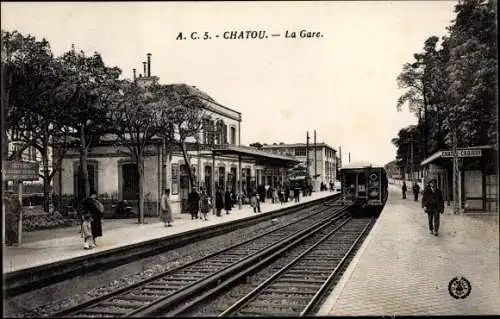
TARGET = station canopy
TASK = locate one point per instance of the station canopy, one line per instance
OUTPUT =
(251, 153)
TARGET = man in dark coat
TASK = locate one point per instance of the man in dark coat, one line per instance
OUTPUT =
(403, 190)
(227, 201)
(219, 201)
(416, 190)
(92, 206)
(193, 203)
(433, 203)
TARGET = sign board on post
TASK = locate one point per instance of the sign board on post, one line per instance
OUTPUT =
(462, 153)
(19, 171)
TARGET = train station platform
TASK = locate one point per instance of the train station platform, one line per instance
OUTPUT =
(49, 246)
(402, 269)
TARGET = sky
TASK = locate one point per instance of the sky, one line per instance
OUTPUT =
(341, 84)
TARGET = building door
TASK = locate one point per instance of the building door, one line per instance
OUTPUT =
(208, 180)
(130, 185)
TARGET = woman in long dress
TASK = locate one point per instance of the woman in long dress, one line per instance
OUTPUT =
(92, 206)
(166, 209)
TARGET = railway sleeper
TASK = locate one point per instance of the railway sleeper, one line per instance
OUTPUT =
(300, 280)
(267, 308)
(288, 291)
(273, 296)
(121, 304)
(303, 276)
(138, 297)
(298, 285)
(111, 311)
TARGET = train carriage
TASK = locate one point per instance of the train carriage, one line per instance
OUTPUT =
(364, 186)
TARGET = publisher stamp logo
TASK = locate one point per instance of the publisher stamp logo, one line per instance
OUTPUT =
(459, 288)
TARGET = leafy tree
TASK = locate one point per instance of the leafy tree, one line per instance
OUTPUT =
(92, 85)
(34, 98)
(184, 118)
(424, 82)
(471, 70)
(409, 140)
(135, 113)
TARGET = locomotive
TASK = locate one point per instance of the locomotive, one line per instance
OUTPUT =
(364, 187)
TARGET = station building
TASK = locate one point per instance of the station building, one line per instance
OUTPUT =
(323, 160)
(216, 156)
(477, 176)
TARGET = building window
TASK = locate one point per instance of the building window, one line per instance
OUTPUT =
(300, 151)
(233, 135)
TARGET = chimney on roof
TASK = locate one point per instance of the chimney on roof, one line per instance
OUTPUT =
(135, 77)
(149, 64)
(144, 65)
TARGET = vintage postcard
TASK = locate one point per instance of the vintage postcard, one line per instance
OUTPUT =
(253, 158)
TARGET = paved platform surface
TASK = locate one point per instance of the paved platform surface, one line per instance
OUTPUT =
(401, 269)
(47, 246)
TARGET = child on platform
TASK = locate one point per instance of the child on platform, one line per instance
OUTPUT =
(88, 242)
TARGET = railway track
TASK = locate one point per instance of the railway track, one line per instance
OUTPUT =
(27, 280)
(174, 286)
(292, 284)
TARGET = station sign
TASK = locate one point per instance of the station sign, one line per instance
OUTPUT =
(462, 153)
(20, 171)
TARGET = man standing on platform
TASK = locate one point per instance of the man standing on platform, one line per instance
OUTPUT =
(193, 203)
(433, 203)
(416, 190)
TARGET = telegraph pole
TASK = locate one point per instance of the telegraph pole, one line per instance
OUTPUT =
(456, 208)
(315, 159)
(307, 154)
(411, 167)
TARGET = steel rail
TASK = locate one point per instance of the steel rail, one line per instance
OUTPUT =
(92, 302)
(244, 300)
(332, 275)
(255, 267)
(171, 300)
(26, 280)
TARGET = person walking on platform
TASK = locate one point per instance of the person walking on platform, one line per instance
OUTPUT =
(166, 210)
(219, 201)
(227, 201)
(13, 210)
(416, 190)
(403, 190)
(193, 203)
(204, 204)
(433, 203)
(92, 206)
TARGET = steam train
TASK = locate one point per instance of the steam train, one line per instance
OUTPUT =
(364, 187)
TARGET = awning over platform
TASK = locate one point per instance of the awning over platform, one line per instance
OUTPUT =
(261, 157)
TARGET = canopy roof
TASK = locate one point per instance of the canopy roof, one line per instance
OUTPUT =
(261, 157)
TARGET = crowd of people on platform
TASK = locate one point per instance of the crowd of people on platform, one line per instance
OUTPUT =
(198, 200)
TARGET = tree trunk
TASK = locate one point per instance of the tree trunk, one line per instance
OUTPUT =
(188, 164)
(5, 104)
(83, 163)
(46, 179)
(140, 173)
